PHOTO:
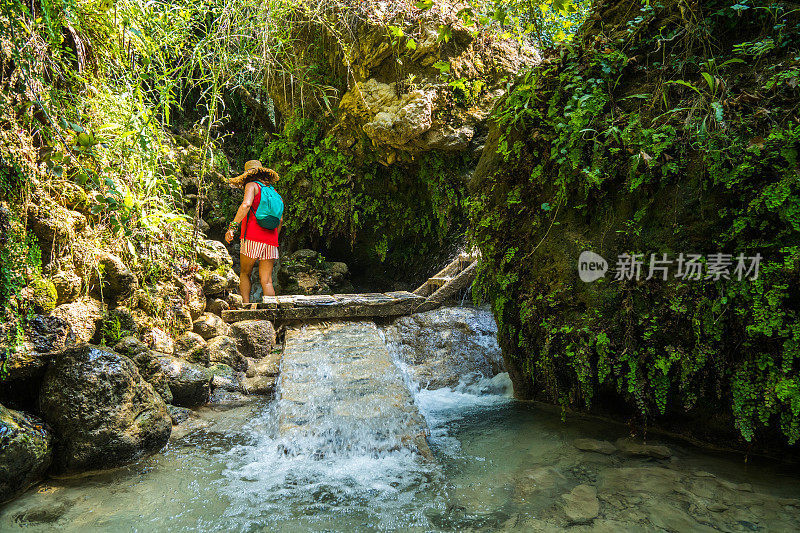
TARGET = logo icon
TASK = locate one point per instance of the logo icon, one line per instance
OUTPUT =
(591, 266)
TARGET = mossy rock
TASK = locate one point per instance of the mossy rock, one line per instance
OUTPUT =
(43, 295)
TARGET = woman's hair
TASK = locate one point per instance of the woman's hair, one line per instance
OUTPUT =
(263, 174)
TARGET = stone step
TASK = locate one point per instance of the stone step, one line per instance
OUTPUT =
(336, 306)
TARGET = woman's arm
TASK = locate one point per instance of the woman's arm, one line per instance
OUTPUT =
(280, 225)
(249, 196)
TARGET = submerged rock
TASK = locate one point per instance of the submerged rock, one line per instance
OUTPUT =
(632, 448)
(592, 445)
(444, 345)
(101, 409)
(25, 452)
(254, 338)
(190, 383)
(581, 504)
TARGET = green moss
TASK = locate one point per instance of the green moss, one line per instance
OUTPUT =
(595, 151)
(44, 295)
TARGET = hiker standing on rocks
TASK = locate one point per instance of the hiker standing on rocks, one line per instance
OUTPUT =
(261, 215)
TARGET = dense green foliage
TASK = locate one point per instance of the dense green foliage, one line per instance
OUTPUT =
(664, 129)
(397, 212)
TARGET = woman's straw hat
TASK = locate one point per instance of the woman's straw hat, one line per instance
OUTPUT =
(256, 170)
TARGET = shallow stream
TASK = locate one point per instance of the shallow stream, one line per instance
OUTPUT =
(499, 466)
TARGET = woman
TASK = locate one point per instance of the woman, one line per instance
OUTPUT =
(258, 244)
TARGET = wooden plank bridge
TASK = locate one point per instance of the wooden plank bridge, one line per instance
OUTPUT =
(445, 284)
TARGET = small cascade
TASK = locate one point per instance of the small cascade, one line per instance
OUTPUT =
(341, 393)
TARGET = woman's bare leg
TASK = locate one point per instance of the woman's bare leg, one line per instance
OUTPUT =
(265, 267)
(244, 277)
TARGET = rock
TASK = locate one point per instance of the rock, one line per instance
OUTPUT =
(398, 120)
(214, 253)
(223, 349)
(210, 325)
(225, 378)
(25, 452)
(118, 281)
(183, 318)
(53, 225)
(634, 449)
(592, 445)
(581, 504)
(235, 301)
(444, 346)
(121, 322)
(261, 385)
(83, 315)
(190, 383)
(146, 362)
(268, 365)
(43, 335)
(178, 414)
(192, 347)
(24, 365)
(40, 295)
(160, 341)
(307, 272)
(233, 280)
(654, 480)
(214, 284)
(254, 338)
(68, 286)
(104, 413)
(539, 479)
(217, 306)
(195, 299)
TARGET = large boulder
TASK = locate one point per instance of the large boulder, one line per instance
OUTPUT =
(84, 315)
(113, 279)
(190, 383)
(445, 345)
(254, 338)
(25, 452)
(192, 347)
(146, 362)
(210, 325)
(24, 367)
(224, 350)
(104, 413)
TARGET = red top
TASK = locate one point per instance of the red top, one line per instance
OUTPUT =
(254, 231)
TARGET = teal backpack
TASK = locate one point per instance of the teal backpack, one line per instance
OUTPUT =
(270, 208)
